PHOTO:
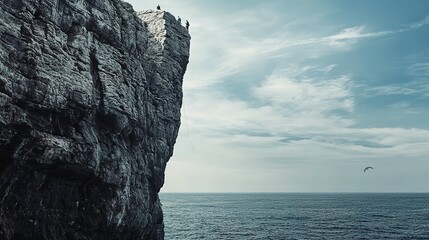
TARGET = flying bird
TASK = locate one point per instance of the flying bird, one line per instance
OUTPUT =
(367, 168)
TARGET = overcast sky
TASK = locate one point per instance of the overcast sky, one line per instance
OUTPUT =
(300, 96)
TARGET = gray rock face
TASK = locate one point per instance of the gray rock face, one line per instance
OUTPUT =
(90, 99)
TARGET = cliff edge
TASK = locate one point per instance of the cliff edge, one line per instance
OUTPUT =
(90, 97)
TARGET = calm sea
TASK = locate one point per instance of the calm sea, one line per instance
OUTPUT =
(295, 216)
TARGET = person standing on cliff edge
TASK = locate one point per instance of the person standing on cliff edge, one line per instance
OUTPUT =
(187, 25)
(158, 7)
(179, 20)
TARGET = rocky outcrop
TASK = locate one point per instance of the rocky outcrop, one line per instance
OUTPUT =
(90, 97)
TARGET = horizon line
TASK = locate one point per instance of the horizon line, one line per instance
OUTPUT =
(391, 192)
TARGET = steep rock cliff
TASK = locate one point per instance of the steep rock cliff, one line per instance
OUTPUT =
(90, 97)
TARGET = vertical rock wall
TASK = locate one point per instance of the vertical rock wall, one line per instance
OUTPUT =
(90, 99)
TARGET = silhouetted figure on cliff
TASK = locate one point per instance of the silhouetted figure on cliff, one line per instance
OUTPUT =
(187, 25)
(179, 20)
(158, 7)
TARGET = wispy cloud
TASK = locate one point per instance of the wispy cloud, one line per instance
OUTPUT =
(394, 89)
(298, 112)
(420, 69)
(295, 89)
(415, 84)
(418, 24)
(234, 47)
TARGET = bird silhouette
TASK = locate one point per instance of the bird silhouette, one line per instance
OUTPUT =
(367, 168)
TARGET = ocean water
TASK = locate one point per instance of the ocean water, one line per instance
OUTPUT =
(295, 216)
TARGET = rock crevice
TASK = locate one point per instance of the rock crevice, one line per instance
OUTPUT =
(90, 97)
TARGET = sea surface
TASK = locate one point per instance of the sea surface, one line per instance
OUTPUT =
(295, 216)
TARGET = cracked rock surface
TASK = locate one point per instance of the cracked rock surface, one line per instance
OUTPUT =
(90, 97)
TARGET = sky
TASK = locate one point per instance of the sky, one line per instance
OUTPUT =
(302, 95)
